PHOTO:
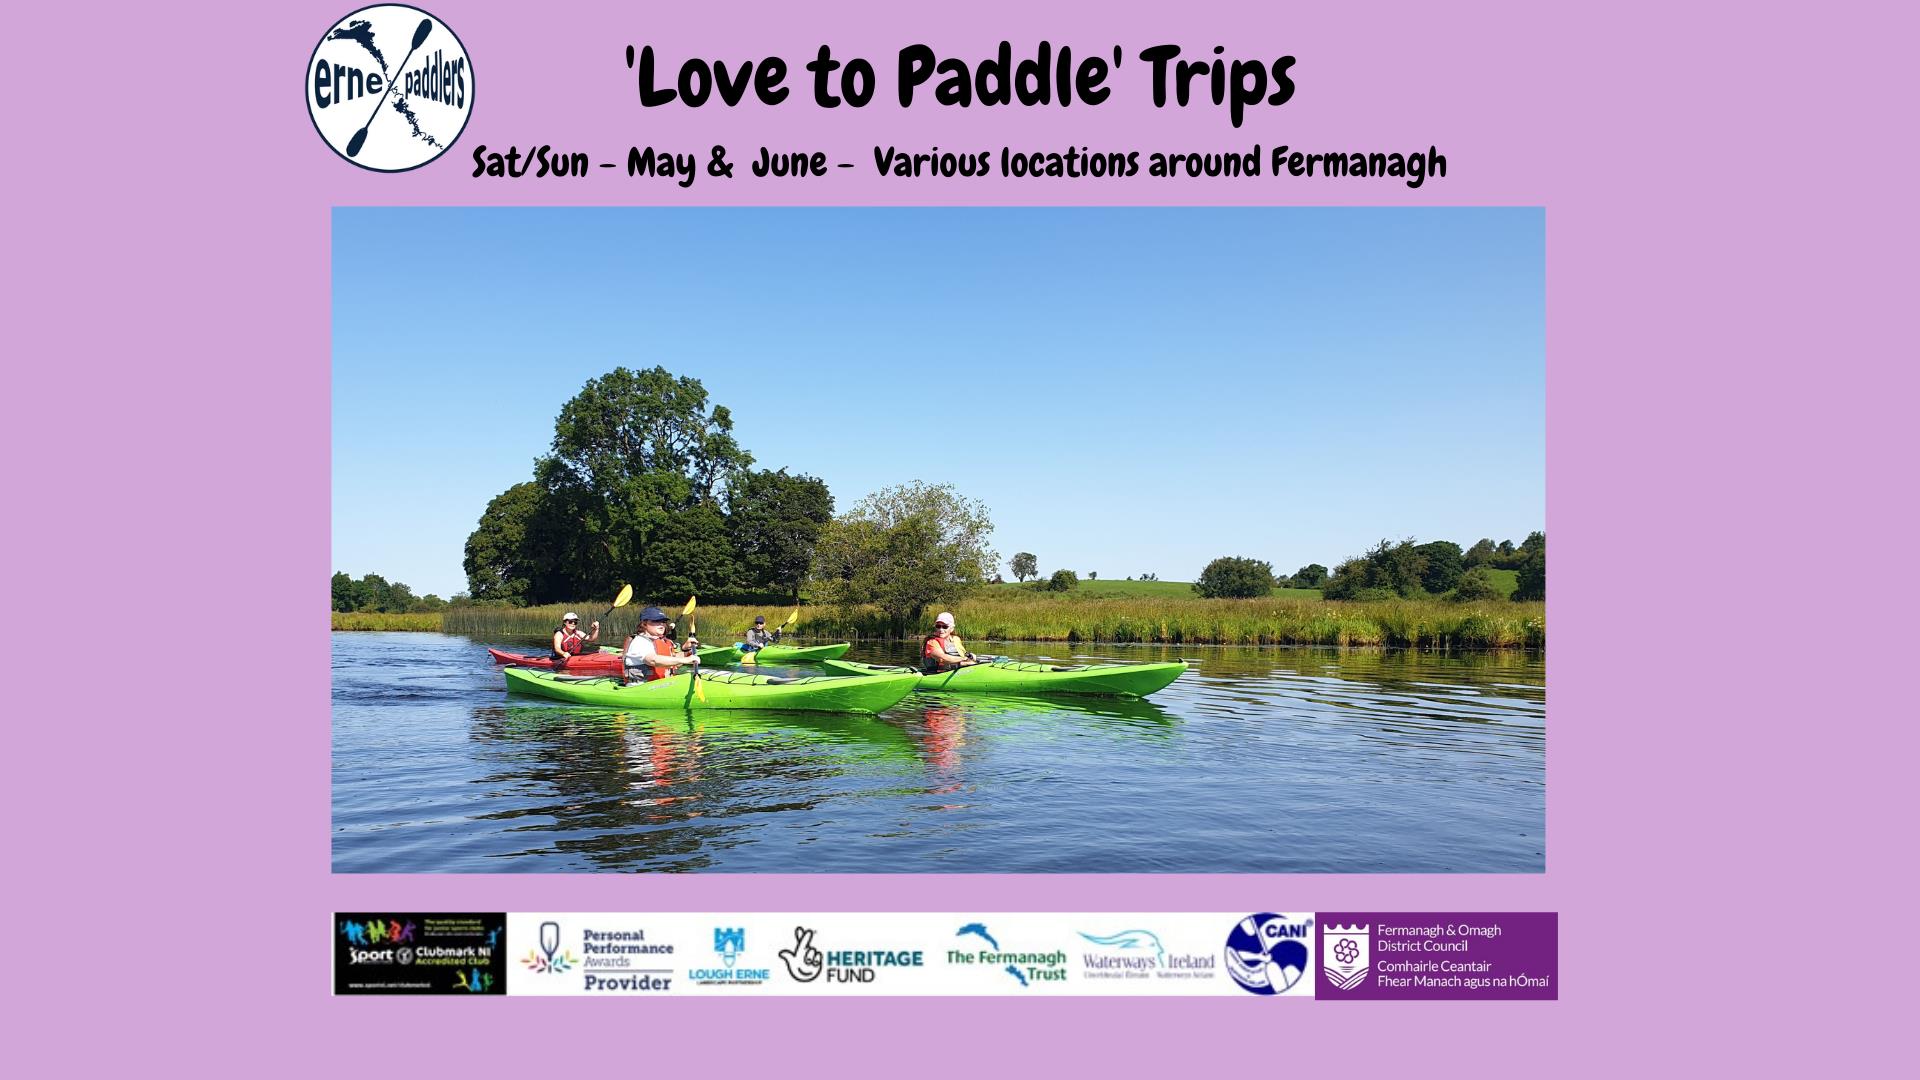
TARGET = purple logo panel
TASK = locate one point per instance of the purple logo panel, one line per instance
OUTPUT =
(1438, 956)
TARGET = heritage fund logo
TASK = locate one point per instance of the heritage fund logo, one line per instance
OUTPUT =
(390, 88)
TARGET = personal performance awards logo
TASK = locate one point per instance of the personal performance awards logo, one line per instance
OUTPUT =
(1267, 953)
(390, 88)
(549, 958)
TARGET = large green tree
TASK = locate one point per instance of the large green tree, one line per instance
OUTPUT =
(1442, 565)
(1025, 566)
(773, 521)
(904, 548)
(1389, 569)
(628, 492)
(1481, 553)
(500, 564)
(626, 425)
(1235, 577)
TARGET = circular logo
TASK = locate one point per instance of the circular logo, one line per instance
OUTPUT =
(405, 955)
(389, 88)
(1266, 954)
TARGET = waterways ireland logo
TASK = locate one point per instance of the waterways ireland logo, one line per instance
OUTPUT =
(389, 87)
(1140, 954)
(1267, 953)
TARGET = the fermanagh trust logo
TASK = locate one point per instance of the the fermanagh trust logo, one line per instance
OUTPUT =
(390, 87)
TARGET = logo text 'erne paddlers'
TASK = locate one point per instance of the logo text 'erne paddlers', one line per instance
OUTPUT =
(389, 87)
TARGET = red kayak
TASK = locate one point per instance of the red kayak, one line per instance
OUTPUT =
(592, 663)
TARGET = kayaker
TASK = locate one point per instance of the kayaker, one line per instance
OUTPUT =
(943, 648)
(650, 655)
(758, 638)
(568, 641)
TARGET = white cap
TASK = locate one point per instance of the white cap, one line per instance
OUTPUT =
(945, 617)
(574, 615)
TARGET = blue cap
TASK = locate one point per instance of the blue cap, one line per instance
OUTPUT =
(653, 614)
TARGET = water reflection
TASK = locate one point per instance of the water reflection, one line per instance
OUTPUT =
(1270, 760)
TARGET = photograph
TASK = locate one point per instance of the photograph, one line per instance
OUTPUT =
(938, 540)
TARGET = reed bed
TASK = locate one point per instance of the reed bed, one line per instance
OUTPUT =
(375, 620)
(1421, 624)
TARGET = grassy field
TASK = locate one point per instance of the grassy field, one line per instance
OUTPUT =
(1129, 590)
(1003, 615)
(374, 620)
(1504, 580)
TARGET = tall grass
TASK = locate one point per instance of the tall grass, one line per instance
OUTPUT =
(375, 620)
(997, 616)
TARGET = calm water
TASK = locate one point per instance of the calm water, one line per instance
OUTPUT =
(1258, 761)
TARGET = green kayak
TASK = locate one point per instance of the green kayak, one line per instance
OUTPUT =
(772, 654)
(1135, 680)
(777, 654)
(724, 690)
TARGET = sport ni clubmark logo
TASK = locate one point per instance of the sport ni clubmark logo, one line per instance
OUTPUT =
(1349, 956)
(389, 87)
(1268, 953)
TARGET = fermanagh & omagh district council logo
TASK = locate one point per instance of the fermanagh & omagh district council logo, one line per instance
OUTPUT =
(390, 88)
(1349, 955)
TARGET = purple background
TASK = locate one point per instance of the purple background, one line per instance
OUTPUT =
(1718, 391)
(1528, 945)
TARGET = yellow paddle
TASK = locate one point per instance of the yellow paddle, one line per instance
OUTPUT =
(626, 594)
(687, 613)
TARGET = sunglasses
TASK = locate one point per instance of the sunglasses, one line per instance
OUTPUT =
(941, 626)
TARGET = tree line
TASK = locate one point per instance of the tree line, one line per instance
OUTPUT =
(1389, 569)
(376, 593)
(645, 484)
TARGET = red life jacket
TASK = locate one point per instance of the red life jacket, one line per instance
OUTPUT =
(932, 648)
(570, 640)
(661, 647)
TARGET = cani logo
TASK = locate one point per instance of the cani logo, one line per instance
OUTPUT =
(390, 88)
(1268, 953)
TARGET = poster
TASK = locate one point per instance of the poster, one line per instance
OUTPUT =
(189, 271)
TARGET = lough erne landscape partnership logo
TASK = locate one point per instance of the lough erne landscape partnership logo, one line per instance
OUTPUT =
(389, 87)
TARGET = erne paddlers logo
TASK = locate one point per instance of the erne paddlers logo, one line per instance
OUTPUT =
(389, 87)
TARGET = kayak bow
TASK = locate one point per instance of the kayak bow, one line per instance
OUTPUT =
(1132, 680)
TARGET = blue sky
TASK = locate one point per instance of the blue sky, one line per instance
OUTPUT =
(1128, 390)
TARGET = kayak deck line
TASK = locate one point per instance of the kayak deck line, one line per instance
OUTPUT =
(1020, 677)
